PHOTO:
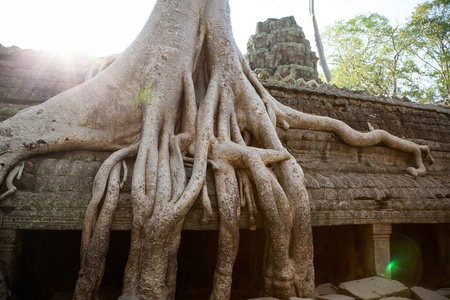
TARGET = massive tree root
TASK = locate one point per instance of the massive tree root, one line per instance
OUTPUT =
(181, 94)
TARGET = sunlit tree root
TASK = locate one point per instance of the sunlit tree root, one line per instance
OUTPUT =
(96, 230)
(287, 117)
(93, 251)
(189, 97)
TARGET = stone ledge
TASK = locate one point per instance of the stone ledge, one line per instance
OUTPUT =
(55, 190)
(49, 219)
(362, 96)
(54, 193)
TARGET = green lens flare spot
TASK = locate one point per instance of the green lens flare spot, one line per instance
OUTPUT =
(389, 268)
(390, 265)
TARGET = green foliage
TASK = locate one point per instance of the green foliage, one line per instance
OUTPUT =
(370, 54)
(322, 77)
(431, 22)
(146, 96)
(366, 52)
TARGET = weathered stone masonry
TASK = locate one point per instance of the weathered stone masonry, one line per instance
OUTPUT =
(279, 49)
(364, 190)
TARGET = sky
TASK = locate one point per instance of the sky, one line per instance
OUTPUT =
(104, 27)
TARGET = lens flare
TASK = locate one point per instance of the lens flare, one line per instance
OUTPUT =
(406, 263)
(390, 266)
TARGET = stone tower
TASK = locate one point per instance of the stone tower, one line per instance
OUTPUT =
(280, 48)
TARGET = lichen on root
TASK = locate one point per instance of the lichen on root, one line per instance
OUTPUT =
(182, 93)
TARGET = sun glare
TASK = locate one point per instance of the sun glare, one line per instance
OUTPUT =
(63, 46)
(100, 27)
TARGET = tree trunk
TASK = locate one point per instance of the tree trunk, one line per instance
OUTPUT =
(322, 59)
(183, 93)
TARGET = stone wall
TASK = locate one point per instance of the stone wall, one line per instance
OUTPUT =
(346, 185)
(28, 77)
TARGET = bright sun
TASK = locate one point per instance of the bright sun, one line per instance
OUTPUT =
(98, 27)
(102, 27)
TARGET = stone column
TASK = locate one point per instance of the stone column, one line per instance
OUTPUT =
(443, 235)
(10, 251)
(376, 249)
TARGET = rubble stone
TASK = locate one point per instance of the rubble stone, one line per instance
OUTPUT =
(373, 288)
(444, 292)
(326, 289)
(335, 297)
(420, 293)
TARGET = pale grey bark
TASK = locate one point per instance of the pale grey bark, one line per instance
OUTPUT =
(319, 45)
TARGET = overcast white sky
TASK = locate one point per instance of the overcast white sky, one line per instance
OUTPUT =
(104, 27)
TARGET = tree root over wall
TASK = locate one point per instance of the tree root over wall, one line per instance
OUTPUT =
(183, 93)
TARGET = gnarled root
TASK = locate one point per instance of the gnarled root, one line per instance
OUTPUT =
(229, 155)
(161, 194)
(287, 117)
(96, 230)
(16, 172)
(228, 202)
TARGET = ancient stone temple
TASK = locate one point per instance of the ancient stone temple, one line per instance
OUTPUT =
(279, 47)
(369, 217)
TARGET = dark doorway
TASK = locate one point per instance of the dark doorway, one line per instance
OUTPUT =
(414, 255)
(197, 259)
(50, 264)
(336, 254)
(51, 260)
